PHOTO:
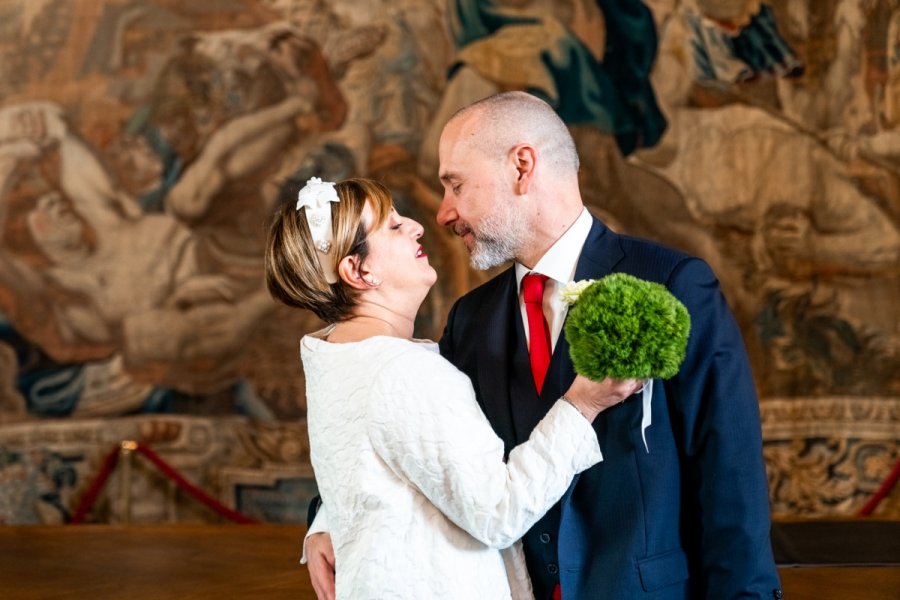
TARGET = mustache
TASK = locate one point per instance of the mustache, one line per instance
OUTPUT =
(462, 230)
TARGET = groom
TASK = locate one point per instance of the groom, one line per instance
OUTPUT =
(687, 515)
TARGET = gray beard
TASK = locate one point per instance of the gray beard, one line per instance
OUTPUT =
(500, 238)
(490, 253)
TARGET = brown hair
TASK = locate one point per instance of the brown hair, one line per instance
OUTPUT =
(293, 273)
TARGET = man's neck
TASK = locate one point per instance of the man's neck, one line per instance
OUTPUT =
(547, 232)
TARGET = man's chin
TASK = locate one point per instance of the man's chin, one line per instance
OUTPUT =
(482, 262)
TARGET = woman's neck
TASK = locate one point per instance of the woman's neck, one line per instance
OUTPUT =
(366, 324)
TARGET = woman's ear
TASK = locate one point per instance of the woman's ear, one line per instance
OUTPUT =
(350, 272)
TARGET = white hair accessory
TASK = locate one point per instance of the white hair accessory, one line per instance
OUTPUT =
(316, 197)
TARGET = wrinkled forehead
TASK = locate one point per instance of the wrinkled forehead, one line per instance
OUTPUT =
(459, 146)
(462, 127)
(449, 140)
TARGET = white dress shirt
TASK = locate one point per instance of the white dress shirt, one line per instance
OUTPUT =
(558, 263)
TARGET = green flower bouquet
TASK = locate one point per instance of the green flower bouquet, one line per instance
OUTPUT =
(624, 327)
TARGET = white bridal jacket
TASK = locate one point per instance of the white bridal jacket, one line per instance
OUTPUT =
(420, 502)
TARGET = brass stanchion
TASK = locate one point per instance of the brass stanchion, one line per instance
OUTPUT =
(126, 451)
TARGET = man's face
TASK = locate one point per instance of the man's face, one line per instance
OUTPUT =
(57, 230)
(478, 203)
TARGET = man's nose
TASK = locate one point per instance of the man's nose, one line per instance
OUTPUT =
(446, 213)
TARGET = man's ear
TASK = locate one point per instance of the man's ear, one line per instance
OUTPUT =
(350, 271)
(525, 159)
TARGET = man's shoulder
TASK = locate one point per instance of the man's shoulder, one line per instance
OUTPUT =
(649, 259)
(491, 288)
(633, 244)
(479, 306)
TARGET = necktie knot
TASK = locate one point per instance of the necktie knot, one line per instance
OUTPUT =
(533, 288)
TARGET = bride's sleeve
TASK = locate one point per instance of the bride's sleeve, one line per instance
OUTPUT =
(318, 525)
(425, 423)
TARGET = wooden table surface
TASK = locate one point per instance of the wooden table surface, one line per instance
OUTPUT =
(226, 562)
(152, 562)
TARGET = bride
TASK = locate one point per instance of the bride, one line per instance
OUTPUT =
(420, 500)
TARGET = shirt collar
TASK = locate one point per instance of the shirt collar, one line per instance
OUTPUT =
(560, 261)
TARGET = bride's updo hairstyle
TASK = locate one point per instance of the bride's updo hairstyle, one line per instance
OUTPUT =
(299, 273)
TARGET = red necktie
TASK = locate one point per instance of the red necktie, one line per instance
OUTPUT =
(538, 331)
(539, 338)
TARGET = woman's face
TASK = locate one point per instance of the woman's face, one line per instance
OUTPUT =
(396, 258)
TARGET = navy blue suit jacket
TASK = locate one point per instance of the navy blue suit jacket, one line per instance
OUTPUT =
(689, 519)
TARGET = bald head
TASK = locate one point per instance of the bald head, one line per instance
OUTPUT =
(496, 124)
(510, 174)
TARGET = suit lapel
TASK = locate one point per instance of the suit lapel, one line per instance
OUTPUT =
(600, 254)
(494, 353)
(503, 340)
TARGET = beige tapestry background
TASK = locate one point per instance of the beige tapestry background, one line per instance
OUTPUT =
(144, 143)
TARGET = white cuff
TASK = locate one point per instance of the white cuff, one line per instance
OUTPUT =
(319, 525)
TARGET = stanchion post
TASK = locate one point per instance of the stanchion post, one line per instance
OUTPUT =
(126, 453)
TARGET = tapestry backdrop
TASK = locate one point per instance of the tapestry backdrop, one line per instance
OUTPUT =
(145, 143)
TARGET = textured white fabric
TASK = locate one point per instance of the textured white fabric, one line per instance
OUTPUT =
(419, 498)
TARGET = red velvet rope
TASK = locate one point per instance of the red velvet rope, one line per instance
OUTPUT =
(109, 464)
(192, 489)
(883, 490)
(87, 501)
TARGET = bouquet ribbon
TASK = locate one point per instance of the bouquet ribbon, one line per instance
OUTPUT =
(647, 395)
(623, 327)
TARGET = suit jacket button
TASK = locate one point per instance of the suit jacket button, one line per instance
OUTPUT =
(776, 594)
(545, 538)
(552, 569)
